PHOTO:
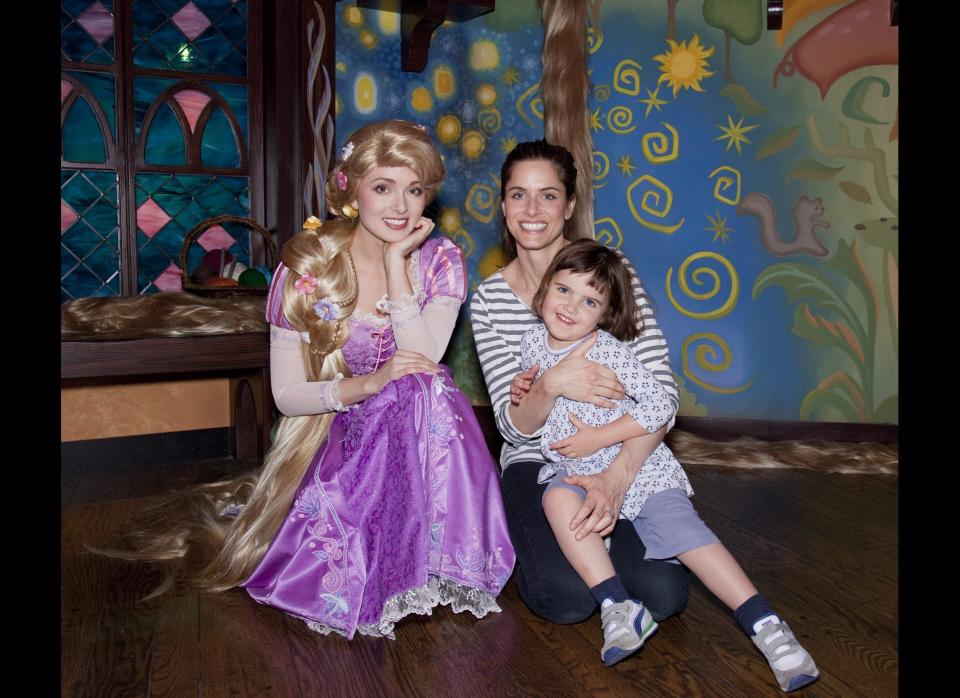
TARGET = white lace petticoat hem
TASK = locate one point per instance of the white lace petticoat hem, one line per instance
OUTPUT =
(438, 591)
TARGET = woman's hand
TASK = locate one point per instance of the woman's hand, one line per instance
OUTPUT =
(600, 510)
(401, 249)
(577, 378)
(401, 364)
(520, 385)
(585, 442)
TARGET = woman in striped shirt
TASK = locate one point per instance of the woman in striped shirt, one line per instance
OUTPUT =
(538, 181)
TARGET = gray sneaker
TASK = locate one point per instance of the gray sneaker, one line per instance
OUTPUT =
(626, 626)
(777, 642)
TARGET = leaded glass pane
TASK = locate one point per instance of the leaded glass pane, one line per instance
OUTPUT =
(219, 147)
(86, 31)
(165, 140)
(82, 137)
(199, 37)
(89, 249)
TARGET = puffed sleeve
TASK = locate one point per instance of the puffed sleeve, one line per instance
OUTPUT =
(274, 307)
(427, 330)
(445, 273)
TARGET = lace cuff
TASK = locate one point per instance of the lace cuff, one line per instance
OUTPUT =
(328, 395)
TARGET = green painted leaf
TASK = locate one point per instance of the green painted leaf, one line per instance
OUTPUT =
(803, 282)
(889, 411)
(845, 262)
(805, 326)
(781, 139)
(855, 192)
(742, 99)
(853, 102)
(817, 399)
(811, 169)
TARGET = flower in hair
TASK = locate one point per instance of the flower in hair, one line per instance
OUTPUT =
(312, 223)
(342, 180)
(346, 150)
(421, 127)
(305, 285)
(326, 309)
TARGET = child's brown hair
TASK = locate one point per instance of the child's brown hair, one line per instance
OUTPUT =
(610, 275)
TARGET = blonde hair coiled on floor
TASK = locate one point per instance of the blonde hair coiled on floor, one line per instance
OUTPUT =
(565, 87)
(219, 547)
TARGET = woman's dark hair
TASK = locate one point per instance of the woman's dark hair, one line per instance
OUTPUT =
(610, 275)
(563, 165)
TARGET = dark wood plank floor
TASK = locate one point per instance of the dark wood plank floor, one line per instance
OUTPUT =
(821, 547)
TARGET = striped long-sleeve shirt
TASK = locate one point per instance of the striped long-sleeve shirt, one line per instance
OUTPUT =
(500, 319)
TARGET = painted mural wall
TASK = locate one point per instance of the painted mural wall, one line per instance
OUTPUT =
(750, 175)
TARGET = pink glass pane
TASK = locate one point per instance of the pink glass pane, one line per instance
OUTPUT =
(215, 238)
(191, 20)
(169, 279)
(192, 102)
(97, 21)
(65, 89)
(151, 218)
(67, 216)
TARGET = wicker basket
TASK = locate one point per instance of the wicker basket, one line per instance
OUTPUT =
(270, 248)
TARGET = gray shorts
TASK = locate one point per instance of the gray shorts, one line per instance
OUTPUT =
(667, 523)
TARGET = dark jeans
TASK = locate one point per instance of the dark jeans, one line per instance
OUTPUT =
(546, 581)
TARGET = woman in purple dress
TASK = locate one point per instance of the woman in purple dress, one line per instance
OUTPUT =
(399, 507)
(379, 497)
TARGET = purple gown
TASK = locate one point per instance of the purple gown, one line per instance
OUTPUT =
(400, 509)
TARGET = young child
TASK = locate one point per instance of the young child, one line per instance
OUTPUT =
(587, 289)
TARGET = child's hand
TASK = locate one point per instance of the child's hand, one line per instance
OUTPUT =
(585, 442)
(520, 385)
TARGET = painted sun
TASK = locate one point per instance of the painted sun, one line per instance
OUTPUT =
(684, 65)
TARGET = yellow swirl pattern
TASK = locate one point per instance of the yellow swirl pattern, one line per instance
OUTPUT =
(705, 277)
(658, 147)
(601, 168)
(601, 93)
(481, 202)
(530, 100)
(607, 232)
(594, 39)
(724, 182)
(489, 120)
(706, 359)
(626, 77)
(619, 120)
(651, 203)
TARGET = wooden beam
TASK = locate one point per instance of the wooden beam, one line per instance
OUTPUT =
(420, 18)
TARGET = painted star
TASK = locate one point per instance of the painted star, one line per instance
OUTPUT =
(508, 144)
(625, 165)
(734, 133)
(719, 228)
(652, 101)
(511, 76)
(595, 123)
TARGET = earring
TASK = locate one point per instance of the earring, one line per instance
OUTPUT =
(349, 211)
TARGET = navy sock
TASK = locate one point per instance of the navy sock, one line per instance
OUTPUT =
(610, 589)
(752, 610)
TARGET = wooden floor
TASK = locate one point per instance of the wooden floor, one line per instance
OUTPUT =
(821, 547)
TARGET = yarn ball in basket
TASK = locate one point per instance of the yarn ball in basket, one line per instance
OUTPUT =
(213, 258)
(252, 278)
